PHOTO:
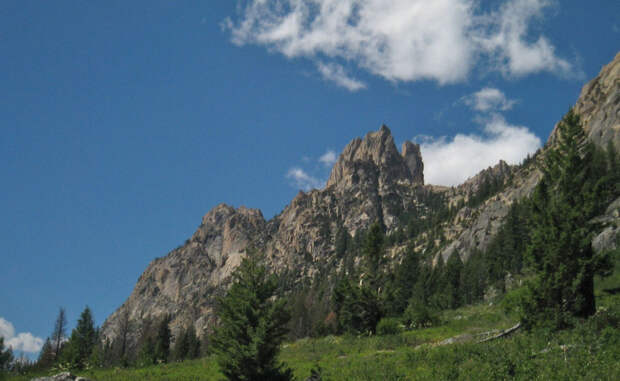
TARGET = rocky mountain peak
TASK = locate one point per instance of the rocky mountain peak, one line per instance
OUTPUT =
(599, 106)
(375, 159)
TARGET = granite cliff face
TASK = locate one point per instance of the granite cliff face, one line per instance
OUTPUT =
(599, 105)
(371, 181)
(599, 108)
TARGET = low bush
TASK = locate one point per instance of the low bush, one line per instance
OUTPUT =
(389, 326)
(417, 315)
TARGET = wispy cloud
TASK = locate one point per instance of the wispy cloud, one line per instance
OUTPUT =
(24, 341)
(328, 158)
(401, 40)
(303, 180)
(488, 99)
(514, 51)
(336, 73)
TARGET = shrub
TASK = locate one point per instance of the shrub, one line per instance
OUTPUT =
(389, 326)
(418, 315)
(512, 300)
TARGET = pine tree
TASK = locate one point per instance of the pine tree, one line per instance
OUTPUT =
(193, 346)
(124, 328)
(342, 241)
(181, 346)
(407, 274)
(252, 326)
(6, 357)
(162, 340)
(560, 252)
(146, 343)
(346, 304)
(454, 269)
(82, 341)
(146, 355)
(59, 333)
(46, 356)
(474, 278)
(371, 292)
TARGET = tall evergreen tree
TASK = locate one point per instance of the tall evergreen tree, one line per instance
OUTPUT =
(162, 340)
(146, 355)
(193, 346)
(474, 278)
(82, 341)
(560, 252)
(181, 346)
(454, 269)
(407, 274)
(60, 332)
(124, 327)
(252, 326)
(6, 357)
(346, 304)
(373, 285)
(46, 356)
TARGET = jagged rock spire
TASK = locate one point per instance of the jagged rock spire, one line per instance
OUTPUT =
(413, 158)
(376, 158)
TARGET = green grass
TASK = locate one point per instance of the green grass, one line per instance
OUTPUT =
(589, 352)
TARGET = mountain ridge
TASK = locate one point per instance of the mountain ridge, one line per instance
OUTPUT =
(371, 181)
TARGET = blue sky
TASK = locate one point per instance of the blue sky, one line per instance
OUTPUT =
(122, 123)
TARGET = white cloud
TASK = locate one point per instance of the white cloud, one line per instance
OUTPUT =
(510, 45)
(489, 99)
(328, 158)
(336, 73)
(452, 161)
(25, 341)
(303, 180)
(6, 329)
(400, 40)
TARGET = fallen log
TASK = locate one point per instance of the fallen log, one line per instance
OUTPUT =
(503, 333)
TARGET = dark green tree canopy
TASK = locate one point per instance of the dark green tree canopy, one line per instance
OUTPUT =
(253, 324)
(82, 341)
(560, 251)
(6, 356)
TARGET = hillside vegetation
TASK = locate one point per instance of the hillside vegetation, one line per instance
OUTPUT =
(590, 351)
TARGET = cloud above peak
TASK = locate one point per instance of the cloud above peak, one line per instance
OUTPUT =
(401, 40)
(24, 341)
(302, 180)
(337, 74)
(329, 158)
(488, 99)
(452, 161)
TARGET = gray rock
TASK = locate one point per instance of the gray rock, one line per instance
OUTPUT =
(64, 376)
(413, 158)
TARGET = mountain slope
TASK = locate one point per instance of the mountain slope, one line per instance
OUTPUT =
(371, 181)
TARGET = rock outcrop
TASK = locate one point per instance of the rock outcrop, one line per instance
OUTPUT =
(599, 109)
(64, 376)
(413, 159)
(599, 105)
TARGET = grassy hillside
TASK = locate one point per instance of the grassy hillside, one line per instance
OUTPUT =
(451, 350)
(590, 351)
